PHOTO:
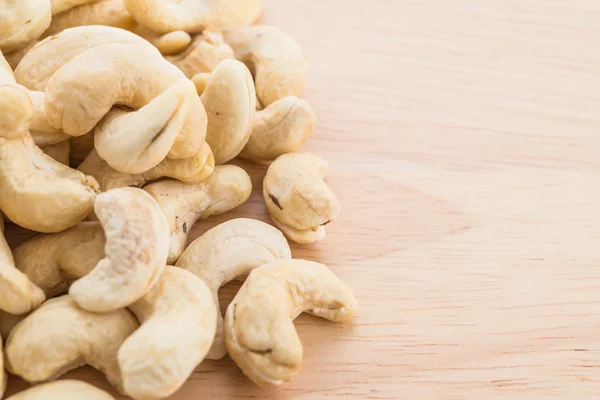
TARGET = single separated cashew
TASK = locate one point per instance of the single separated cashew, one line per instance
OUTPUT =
(203, 54)
(136, 251)
(22, 22)
(276, 61)
(183, 204)
(66, 389)
(193, 15)
(299, 201)
(231, 251)
(59, 151)
(190, 170)
(178, 320)
(259, 328)
(36, 192)
(60, 336)
(279, 129)
(230, 102)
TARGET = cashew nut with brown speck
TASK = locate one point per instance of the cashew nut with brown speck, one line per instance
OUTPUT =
(183, 204)
(66, 389)
(231, 251)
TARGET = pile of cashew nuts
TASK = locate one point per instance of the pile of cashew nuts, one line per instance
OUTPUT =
(117, 119)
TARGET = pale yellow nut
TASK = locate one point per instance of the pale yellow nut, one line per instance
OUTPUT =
(189, 170)
(259, 330)
(15, 56)
(193, 15)
(178, 321)
(203, 54)
(42, 132)
(66, 389)
(183, 203)
(276, 61)
(279, 129)
(167, 43)
(60, 336)
(136, 250)
(22, 22)
(230, 102)
(299, 201)
(58, 151)
(231, 251)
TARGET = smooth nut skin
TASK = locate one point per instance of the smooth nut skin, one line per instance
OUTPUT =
(299, 201)
(193, 15)
(22, 22)
(168, 43)
(276, 61)
(259, 329)
(183, 204)
(231, 251)
(189, 170)
(60, 336)
(203, 54)
(280, 128)
(42, 132)
(136, 250)
(66, 389)
(178, 321)
(230, 102)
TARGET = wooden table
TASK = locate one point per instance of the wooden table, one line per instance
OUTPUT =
(463, 140)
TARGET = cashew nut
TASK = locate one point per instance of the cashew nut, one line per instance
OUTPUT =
(259, 329)
(279, 129)
(42, 132)
(38, 193)
(136, 251)
(231, 251)
(193, 15)
(230, 102)
(183, 204)
(299, 201)
(276, 61)
(22, 22)
(168, 43)
(190, 170)
(66, 389)
(58, 151)
(15, 56)
(178, 322)
(60, 6)
(203, 54)
(60, 336)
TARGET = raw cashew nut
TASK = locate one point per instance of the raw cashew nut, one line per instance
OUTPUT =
(193, 15)
(136, 251)
(231, 251)
(22, 22)
(15, 56)
(42, 132)
(279, 129)
(259, 329)
(104, 12)
(60, 336)
(37, 192)
(203, 54)
(178, 320)
(58, 151)
(230, 102)
(66, 389)
(190, 170)
(168, 43)
(183, 204)
(276, 61)
(299, 201)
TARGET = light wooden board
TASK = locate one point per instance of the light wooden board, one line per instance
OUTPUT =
(463, 138)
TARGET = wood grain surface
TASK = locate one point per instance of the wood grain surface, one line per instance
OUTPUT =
(463, 140)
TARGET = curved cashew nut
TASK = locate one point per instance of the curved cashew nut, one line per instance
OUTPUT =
(178, 322)
(231, 251)
(203, 54)
(259, 329)
(279, 129)
(66, 389)
(60, 336)
(183, 204)
(136, 251)
(230, 102)
(58, 151)
(193, 15)
(276, 61)
(299, 201)
(190, 170)
(22, 22)
(42, 132)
